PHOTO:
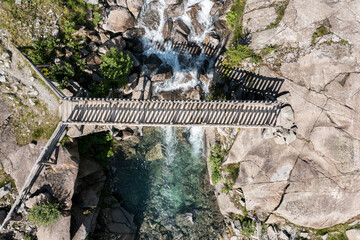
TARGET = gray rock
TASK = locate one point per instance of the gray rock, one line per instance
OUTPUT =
(193, 15)
(179, 37)
(5, 190)
(151, 17)
(286, 117)
(2, 79)
(181, 27)
(353, 234)
(259, 19)
(118, 19)
(215, 8)
(117, 42)
(167, 29)
(36, 200)
(212, 39)
(92, 2)
(135, 6)
(171, 2)
(174, 11)
(185, 219)
(163, 73)
(153, 62)
(134, 33)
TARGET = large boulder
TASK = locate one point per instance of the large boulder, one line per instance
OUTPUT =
(133, 33)
(164, 72)
(167, 29)
(117, 42)
(134, 6)
(151, 17)
(118, 19)
(193, 15)
(153, 62)
(181, 27)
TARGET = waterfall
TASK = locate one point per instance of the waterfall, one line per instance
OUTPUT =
(180, 79)
(169, 193)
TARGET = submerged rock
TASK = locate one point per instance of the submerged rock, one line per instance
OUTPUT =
(155, 153)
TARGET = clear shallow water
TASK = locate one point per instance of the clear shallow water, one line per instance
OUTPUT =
(170, 197)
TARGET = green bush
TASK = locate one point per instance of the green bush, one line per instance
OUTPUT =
(45, 214)
(237, 54)
(61, 73)
(234, 19)
(99, 147)
(216, 158)
(115, 67)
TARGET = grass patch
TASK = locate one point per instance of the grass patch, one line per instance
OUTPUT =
(45, 214)
(320, 31)
(237, 54)
(344, 42)
(337, 236)
(234, 19)
(98, 146)
(280, 11)
(216, 158)
(33, 124)
(267, 50)
(5, 178)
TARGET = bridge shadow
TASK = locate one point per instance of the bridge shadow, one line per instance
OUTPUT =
(245, 85)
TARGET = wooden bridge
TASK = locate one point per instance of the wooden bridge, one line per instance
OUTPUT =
(85, 111)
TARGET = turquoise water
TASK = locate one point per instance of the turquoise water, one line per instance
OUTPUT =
(170, 197)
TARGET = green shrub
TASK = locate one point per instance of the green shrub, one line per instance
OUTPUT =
(115, 67)
(234, 19)
(320, 31)
(233, 170)
(216, 158)
(42, 51)
(267, 50)
(280, 11)
(99, 89)
(99, 147)
(61, 73)
(226, 188)
(237, 54)
(45, 214)
(337, 236)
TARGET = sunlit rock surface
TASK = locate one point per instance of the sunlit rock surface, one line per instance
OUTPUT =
(312, 181)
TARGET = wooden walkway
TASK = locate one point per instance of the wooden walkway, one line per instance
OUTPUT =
(80, 111)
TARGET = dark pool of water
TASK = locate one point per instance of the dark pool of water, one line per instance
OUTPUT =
(170, 197)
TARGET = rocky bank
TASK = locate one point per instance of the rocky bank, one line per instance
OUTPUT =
(312, 181)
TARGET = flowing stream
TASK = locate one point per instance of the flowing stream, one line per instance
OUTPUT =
(163, 178)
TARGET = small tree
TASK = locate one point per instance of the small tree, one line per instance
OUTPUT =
(115, 67)
(45, 214)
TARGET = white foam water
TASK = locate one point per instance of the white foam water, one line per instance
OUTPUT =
(179, 80)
